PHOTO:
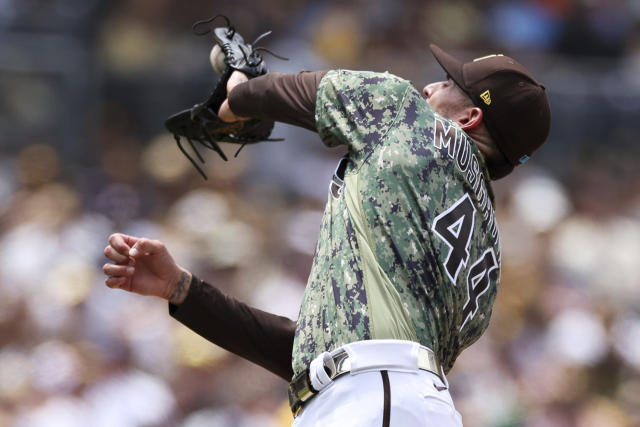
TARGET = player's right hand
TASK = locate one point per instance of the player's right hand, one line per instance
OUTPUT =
(144, 266)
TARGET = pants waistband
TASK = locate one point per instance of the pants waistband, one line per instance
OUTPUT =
(360, 356)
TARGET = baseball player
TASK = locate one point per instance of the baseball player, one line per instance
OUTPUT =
(407, 263)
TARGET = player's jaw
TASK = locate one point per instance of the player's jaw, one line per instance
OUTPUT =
(445, 97)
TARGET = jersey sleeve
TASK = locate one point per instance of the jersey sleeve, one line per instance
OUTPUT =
(356, 108)
(286, 98)
(260, 337)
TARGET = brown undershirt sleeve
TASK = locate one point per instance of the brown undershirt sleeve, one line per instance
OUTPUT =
(260, 337)
(287, 98)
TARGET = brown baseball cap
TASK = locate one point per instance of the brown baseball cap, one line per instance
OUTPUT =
(515, 106)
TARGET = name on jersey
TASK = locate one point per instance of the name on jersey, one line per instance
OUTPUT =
(458, 147)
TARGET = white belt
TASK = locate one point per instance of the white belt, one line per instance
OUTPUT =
(360, 356)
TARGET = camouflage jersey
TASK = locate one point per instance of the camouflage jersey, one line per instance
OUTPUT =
(408, 247)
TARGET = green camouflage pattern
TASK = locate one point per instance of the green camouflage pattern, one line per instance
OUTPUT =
(415, 169)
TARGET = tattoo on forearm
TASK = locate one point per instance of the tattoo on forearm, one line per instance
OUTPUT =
(180, 291)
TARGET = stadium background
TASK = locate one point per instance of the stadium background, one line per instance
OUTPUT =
(85, 86)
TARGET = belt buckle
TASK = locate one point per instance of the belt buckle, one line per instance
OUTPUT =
(300, 391)
(340, 364)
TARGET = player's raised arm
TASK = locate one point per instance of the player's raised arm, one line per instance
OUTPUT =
(286, 98)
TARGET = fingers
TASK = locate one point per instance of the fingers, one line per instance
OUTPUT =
(146, 247)
(114, 256)
(114, 270)
(224, 112)
(121, 243)
(226, 115)
(115, 282)
(117, 274)
(122, 247)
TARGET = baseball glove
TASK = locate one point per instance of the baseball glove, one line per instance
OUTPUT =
(201, 122)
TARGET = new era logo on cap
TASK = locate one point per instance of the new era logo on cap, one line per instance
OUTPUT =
(486, 97)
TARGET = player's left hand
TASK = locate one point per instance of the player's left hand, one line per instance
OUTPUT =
(225, 113)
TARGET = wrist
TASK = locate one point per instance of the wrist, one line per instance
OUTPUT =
(180, 287)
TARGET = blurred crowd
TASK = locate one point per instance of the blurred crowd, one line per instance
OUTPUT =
(85, 88)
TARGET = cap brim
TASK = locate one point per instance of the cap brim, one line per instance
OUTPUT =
(451, 65)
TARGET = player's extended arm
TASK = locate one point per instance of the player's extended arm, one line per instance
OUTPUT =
(263, 338)
(146, 267)
(287, 98)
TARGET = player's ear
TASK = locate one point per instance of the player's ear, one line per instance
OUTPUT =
(471, 118)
